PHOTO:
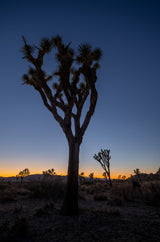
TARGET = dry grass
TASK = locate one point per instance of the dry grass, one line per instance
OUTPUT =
(148, 192)
(33, 214)
(7, 193)
(100, 196)
(46, 188)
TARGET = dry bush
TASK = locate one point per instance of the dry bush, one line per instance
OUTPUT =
(124, 192)
(92, 188)
(3, 186)
(148, 192)
(100, 196)
(48, 189)
(88, 189)
(151, 193)
(7, 193)
(10, 191)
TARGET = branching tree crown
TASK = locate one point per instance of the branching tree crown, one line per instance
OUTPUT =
(138, 174)
(69, 91)
(103, 157)
(23, 173)
(49, 173)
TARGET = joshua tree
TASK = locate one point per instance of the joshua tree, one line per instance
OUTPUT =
(68, 93)
(138, 174)
(17, 176)
(81, 177)
(91, 175)
(49, 173)
(103, 158)
(23, 173)
(158, 172)
(123, 177)
(119, 177)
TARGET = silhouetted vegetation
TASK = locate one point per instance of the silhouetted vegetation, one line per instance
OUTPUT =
(103, 157)
(68, 93)
(49, 173)
(91, 177)
(22, 174)
(33, 213)
(81, 178)
(138, 175)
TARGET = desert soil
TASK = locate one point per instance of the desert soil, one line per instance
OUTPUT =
(27, 219)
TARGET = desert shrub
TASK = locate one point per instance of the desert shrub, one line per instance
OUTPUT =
(125, 192)
(89, 190)
(100, 196)
(48, 189)
(151, 193)
(7, 196)
(148, 192)
(92, 188)
(3, 186)
(46, 209)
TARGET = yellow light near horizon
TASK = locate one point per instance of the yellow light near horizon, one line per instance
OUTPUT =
(58, 172)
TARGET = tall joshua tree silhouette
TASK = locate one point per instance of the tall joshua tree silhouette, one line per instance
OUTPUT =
(69, 95)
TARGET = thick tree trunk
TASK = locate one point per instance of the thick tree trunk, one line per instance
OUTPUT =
(70, 203)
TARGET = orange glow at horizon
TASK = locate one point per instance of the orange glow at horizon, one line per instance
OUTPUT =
(58, 172)
(12, 167)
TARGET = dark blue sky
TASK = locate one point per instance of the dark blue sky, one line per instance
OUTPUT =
(127, 115)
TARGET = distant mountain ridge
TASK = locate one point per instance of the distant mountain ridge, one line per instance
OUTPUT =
(32, 177)
(38, 177)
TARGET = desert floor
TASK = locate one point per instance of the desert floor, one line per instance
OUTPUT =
(104, 216)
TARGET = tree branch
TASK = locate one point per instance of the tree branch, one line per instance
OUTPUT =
(44, 98)
(93, 101)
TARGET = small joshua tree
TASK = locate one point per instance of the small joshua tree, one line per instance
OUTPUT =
(17, 176)
(103, 158)
(49, 173)
(119, 177)
(91, 175)
(138, 175)
(81, 177)
(123, 177)
(23, 173)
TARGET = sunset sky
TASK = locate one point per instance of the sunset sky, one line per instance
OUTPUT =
(127, 116)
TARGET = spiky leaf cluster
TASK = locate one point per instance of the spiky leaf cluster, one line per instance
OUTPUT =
(50, 172)
(68, 90)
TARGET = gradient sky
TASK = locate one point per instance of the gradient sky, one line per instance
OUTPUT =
(127, 116)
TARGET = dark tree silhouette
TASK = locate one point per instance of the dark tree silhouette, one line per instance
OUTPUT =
(91, 177)
(103, 157)
(49, 173)
(68, 94)
(81, 178)
(138, 175)
(23, 173)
